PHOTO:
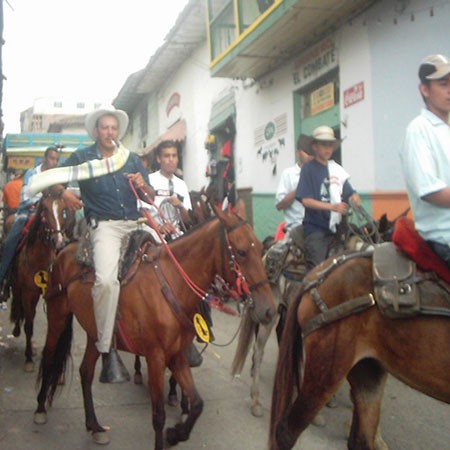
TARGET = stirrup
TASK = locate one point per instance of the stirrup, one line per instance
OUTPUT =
(113, 370)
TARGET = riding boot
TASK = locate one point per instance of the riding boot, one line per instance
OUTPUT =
(113, 370)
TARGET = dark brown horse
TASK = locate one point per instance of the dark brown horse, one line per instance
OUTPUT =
(361, 346)
(156, 328)
(49, 230)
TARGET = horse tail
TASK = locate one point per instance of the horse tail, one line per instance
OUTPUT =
(288, 374)
(246, 333)
(54, 362)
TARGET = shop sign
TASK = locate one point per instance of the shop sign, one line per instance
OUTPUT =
(20, 162)
(315, 62)
(173, 102)
(354, 94)
(270, 139)
(322, 99)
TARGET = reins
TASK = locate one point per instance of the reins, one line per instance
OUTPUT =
(241, 284)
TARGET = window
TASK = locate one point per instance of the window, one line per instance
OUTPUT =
(57, 104)
(222, 27)
(80, 105)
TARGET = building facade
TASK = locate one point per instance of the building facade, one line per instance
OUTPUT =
(267, 71)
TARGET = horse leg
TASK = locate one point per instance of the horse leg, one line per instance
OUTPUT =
(56, 351)
(137, 370)
(367, 380)
(182, 372)
(87, 369)
(156, 367)
(29, 301)
(262, 336)
(172, 399)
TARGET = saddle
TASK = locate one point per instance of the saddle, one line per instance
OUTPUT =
(133, 245)
(287, 257)
(402, 290)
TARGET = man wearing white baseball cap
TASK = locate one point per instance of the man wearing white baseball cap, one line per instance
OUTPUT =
(425, 157)
(104, 172)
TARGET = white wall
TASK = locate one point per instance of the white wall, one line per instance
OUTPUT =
(358, 152)
(197, 91)
(256, 106)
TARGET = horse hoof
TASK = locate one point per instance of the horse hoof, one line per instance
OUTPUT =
(172, 400)
(319, 421)
(40, 418)
(100, 437)
(28, 367)
(137, 378)
(257, 410)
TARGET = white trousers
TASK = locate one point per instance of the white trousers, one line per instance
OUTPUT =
(106, 240)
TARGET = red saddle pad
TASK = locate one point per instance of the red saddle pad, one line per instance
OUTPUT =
(409, 241)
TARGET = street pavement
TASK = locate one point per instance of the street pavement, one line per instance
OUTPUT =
(410, 421)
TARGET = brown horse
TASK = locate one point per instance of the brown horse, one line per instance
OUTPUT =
(361, 346)
(158, 327)
(49, 230)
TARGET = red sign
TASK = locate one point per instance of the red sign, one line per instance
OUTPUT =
(173, 102)
(354, 94)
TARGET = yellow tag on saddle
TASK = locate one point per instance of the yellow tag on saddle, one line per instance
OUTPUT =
(41, 280)
(202, 328)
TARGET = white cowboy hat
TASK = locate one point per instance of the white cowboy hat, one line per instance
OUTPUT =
(91, 119)
(322, 133)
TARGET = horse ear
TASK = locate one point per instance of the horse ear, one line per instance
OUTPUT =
(240, 209)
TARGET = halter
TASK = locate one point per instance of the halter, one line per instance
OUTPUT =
(243, 290)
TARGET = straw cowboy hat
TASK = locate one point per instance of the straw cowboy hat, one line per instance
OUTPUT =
(91, 119)
(322, 133)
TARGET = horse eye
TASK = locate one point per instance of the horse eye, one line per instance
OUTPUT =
(241, 253)
(64, 214)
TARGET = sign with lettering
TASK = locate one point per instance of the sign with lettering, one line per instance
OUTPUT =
(20, 162)
(315, 62)
(322, 99)
(354, 94)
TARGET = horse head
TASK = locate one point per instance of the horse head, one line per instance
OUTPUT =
(57, 219)
(244, 269)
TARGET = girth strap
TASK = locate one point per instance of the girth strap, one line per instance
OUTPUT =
(330, 315)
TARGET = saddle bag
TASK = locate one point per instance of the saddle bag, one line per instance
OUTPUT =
(396, 291)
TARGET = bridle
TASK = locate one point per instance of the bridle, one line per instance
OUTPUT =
(242, 289)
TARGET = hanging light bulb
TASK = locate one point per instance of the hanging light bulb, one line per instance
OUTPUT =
(431, 12)
(395, 21)
(412, 17)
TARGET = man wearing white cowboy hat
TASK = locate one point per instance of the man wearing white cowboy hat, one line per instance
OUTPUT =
(425, 156)
(325, 190)
(111, 210)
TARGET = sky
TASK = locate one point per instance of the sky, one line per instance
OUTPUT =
(74, 49)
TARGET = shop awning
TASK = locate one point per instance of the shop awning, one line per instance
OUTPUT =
(177, 133)
(222, 109)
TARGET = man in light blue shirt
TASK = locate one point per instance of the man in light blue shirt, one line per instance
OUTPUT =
(425, 157)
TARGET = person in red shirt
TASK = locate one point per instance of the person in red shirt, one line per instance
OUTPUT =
(11, 192)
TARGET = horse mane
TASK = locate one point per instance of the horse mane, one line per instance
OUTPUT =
(34, 226)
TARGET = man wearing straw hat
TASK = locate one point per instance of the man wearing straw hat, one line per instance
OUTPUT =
(106, 172)
(325, 190)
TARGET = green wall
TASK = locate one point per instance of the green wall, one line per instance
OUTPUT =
(265, 216)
